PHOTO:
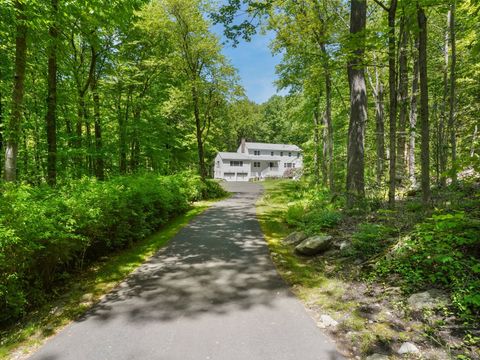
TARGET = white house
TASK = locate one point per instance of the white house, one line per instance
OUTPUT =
(257, 161)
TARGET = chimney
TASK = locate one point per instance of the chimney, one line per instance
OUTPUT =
(242, 146)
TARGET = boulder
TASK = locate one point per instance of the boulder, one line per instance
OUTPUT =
(408, 348)
(295, 238)
(314, 245)
(426, 300)
(326, 321)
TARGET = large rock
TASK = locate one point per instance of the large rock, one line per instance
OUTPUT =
(295, 238)
(408, 348)
(326, 321)
(314, 245)
(430, 299)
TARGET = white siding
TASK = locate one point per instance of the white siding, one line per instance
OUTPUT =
(263, 155)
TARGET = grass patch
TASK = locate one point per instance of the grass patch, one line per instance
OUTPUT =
(85, 289)
(306, 275)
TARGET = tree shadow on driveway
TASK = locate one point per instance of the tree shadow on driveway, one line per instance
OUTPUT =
(219, 263)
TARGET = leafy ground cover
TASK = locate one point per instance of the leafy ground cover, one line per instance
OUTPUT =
(380, 257)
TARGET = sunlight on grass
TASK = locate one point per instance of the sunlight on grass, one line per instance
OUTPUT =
(87, 288)
(306, 275)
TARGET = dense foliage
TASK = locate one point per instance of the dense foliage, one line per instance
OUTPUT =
(406, 247)
(47, 233)
(441, 251)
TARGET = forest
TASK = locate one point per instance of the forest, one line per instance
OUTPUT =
(111, 114)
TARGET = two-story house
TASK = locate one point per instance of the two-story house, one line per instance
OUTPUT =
(257, 161)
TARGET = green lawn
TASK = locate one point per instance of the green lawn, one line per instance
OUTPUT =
(85, 289)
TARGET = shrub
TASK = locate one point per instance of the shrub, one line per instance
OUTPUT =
(441, 252)
(370, 239)
(310, 219)
(295, 213)
(46, 232)
(319, 219)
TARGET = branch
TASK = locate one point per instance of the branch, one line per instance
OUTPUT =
(379, 3)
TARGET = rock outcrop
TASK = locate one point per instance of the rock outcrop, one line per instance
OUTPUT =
(314, 245)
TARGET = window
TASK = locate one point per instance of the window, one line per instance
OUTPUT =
(272, 153)
(281, 153)
(298, 155)
(272, 165)
(236, 163)
(293, 165)
(256, 164)
(289, 154)
(287, 165)
(256, 152)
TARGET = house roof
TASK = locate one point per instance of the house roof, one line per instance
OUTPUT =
(234, 156)
(278, 147)
(246, 157)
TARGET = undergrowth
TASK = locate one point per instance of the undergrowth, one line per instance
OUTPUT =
(48, 233)
(410, 247)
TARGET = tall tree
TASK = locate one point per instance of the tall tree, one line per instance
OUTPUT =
(51, 116)
(358, 105)
(424, 111)
(452, 112)
(413, 117)
(403, 101)
(13, 132)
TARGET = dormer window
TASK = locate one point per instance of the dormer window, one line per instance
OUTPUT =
(256, 152)
(281, 153)
(271, 153)
(289, 154)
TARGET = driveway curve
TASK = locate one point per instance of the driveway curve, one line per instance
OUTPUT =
(212, 293)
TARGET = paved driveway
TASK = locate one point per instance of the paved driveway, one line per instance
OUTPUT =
(212, 293)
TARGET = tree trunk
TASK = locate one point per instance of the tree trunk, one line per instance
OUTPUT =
(413, 118)
(425, 134)
(1, 133)
(13, 133)
(403, 98)
(379, 126)
(358, 106)
(89, 157)
(99, 165)
(78, 163)
(196, 113)
(474, 139)
(328, 118)
(451, 117)
(51, 116)
(392, 84)
(324, 151)
(316, 145)
(135, 146)
(122, 127)
(442, 145)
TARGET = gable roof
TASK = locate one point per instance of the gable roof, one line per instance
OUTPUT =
(277, 147)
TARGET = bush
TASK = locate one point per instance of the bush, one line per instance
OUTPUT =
(311, 220)
(295, 213)
(442, 252)
(370, 239)
(319, 219)
(47, 232)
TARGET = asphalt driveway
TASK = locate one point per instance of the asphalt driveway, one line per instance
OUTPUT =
(212, 293)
